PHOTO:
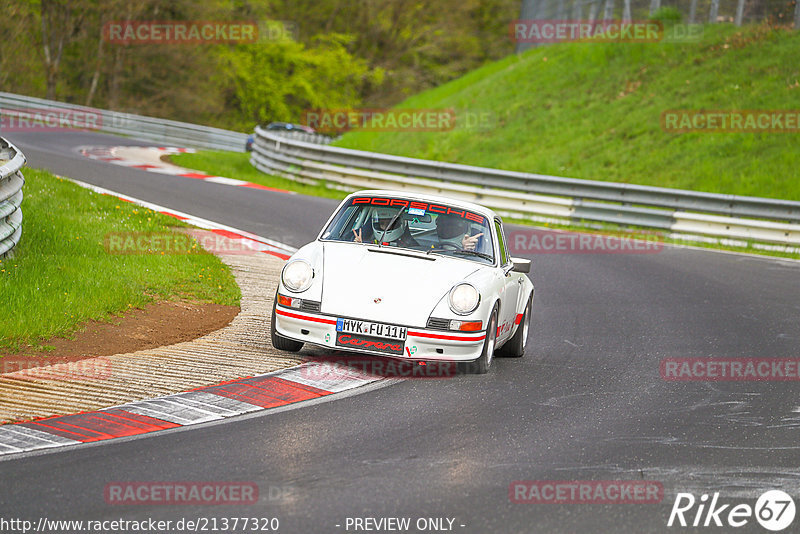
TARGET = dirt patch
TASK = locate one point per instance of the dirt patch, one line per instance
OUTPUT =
(158, 324)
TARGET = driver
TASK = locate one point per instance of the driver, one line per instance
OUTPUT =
(454, 231)
(397, 235)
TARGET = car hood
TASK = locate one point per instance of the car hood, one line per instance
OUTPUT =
(409, 287)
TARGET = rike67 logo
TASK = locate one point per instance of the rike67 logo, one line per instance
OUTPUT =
(774, 510)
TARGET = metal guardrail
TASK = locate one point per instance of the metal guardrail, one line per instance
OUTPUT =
(11, 182)
(570, 199)
(161, 131)
(306, 137)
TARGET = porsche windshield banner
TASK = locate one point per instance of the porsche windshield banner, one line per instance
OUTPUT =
(419, 207)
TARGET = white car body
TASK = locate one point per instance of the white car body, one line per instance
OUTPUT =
(388, 285)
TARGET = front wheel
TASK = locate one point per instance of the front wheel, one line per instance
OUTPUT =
(515, 347)
(278, 341)
(482, 364)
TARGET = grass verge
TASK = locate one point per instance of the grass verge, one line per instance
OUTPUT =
(237, 165)
(62, 275)
(593, 111)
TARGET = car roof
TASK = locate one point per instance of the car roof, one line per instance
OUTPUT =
(429, 198)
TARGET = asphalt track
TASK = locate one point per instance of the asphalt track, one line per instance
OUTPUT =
(586, 402)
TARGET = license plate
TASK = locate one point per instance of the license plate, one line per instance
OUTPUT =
(370, 329)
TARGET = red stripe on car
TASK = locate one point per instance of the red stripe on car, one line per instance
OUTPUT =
(442, 336)
(305, 317)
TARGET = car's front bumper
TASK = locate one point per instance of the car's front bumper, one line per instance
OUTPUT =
(420, 344)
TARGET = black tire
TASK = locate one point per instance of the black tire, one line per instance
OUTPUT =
(482, 364)
(515, 347)
(278, 341)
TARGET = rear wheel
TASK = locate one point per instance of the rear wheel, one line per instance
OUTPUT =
(482, 364)
(515, 347)
(278, 341)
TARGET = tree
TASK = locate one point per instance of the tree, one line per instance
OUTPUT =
(60, 22)
(655, 5)
(528, 11)
(739, 12)
(418, 44)
(577, 9)
(712, 12)
(15, 51)
(609, 11)
(278, 81)
(796, 14)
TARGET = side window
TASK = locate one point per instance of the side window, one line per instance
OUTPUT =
(340, 224)
(501, 241)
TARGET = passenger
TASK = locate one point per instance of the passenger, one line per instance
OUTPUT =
(454, 231)
(398, 235)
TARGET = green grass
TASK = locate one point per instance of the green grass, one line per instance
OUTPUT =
(237, 165)
(62, 275)
(593, 111)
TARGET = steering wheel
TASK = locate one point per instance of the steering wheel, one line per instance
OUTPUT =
(449, 246)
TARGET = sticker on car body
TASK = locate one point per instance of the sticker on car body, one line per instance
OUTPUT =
(383, 345)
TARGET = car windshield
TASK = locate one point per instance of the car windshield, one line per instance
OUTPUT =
(428, 227)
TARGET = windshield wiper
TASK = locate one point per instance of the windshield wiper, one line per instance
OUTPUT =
(474, 253)
(467, 252)
(396, 215)
(400, 251)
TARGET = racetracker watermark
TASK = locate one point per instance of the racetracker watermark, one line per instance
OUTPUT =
(543, 31)
(534, 241)
(730, 121)
(555, 31)
(178, 243)
(181, 493)
(585, 492)
(179, 32)
(278, 30)
(337, 121)
(347, 368)
(730, 369)
(29, 368)
(49, 120)
(379, 120)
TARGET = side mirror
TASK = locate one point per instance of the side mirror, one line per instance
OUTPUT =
(521, 265)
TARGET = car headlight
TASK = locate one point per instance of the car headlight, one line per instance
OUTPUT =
(297, 276)
(464, 298)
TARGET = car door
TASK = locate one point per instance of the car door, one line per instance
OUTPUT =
(511, 283)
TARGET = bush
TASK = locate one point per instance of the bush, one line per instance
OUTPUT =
(668, 15)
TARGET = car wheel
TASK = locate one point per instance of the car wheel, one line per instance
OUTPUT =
(515, 347)
(482, 364)
(278, 341)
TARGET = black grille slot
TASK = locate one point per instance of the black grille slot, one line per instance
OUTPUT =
(438, 324)
(309, 305)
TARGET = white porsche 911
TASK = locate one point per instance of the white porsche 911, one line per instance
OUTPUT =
(410, 276)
